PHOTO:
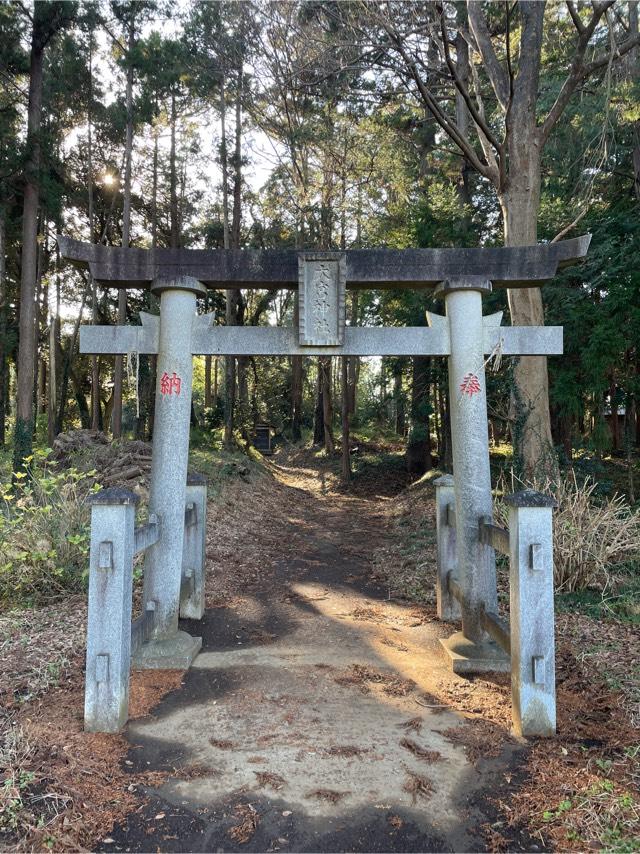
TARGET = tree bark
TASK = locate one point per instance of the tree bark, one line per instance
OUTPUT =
(353, 365)
(346, 451)
(23, 435)
(296, 381)
(534, 454)
(419, 445)
(325, 365)
(400, 421)
(54, 363)
(173, 179)
(126, 225)
(231, 307)
(3, 327)
(66, 371)
(318, 415)
(95, 364)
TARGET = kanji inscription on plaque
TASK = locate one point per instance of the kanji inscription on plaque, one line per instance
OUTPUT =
(322, 284)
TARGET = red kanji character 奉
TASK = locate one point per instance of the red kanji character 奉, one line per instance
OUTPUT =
(470, 384)
(169, 384)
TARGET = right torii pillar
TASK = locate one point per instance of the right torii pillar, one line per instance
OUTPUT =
(471, 650)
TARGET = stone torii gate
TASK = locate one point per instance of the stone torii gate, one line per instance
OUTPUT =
(460, 276)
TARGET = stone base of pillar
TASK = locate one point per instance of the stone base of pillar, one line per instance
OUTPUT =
(176, 653)
(467, 657)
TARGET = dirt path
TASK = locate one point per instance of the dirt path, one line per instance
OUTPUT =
(313, 720)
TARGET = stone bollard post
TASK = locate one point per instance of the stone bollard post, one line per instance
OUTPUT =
(170, 648)
(533, 685)
(194, 550)
(447, 605)
(106, 701)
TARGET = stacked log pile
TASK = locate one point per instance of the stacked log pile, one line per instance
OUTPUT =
(126, 464)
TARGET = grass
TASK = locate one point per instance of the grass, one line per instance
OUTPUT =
(622, 605)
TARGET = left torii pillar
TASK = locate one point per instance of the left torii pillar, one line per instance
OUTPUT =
(168, 647)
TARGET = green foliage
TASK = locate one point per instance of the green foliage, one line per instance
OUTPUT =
(44, 532)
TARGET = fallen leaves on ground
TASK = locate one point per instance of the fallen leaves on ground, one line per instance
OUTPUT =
(247, 818)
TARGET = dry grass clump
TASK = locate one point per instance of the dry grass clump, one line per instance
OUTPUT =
(589, 535)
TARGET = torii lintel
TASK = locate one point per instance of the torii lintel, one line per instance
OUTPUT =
(512, 267)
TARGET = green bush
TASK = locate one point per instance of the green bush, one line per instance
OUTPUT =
(44, 532)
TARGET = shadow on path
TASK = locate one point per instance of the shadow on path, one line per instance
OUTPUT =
(310, 721)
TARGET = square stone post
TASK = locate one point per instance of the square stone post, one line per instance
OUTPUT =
(471, 650)
(533, 683)
(106, 699)
(170, 648)
(447, 605)
(194, 550)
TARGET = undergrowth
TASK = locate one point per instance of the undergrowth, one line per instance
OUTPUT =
(593, 536)
(44, 532)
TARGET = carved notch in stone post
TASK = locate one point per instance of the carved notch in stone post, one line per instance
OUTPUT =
(322, 285)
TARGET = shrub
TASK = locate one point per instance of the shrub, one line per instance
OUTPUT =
(44, 532)
(590, 535)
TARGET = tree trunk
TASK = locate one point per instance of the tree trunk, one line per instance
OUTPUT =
(66, 371)
(81, 400)
(3, 329)
(614, 420)
(54, 363)
(327, 404)
(318, 415)
(231, 307)
(353, 365)
(173, 179)
(419, 444)
(95, 364)
(534, 454)
(237, 166)
(23, 436)
(296, 381)
(346, 454)
(399, 425)
(126, 225)
(207, 366)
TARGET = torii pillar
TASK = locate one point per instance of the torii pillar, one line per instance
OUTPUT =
(471, 650)
(168, 647)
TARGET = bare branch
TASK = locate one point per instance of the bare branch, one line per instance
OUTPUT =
(571, 225)
(619, 51)
(496, 73)
(575, 17)
(458, 83)
(448, 126)
(578, 71)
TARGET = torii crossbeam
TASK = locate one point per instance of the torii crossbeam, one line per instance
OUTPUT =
(461, 276)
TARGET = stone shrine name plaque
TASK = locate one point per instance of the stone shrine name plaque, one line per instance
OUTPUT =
(322, 284)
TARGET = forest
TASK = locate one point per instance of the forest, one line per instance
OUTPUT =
(321, 125)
